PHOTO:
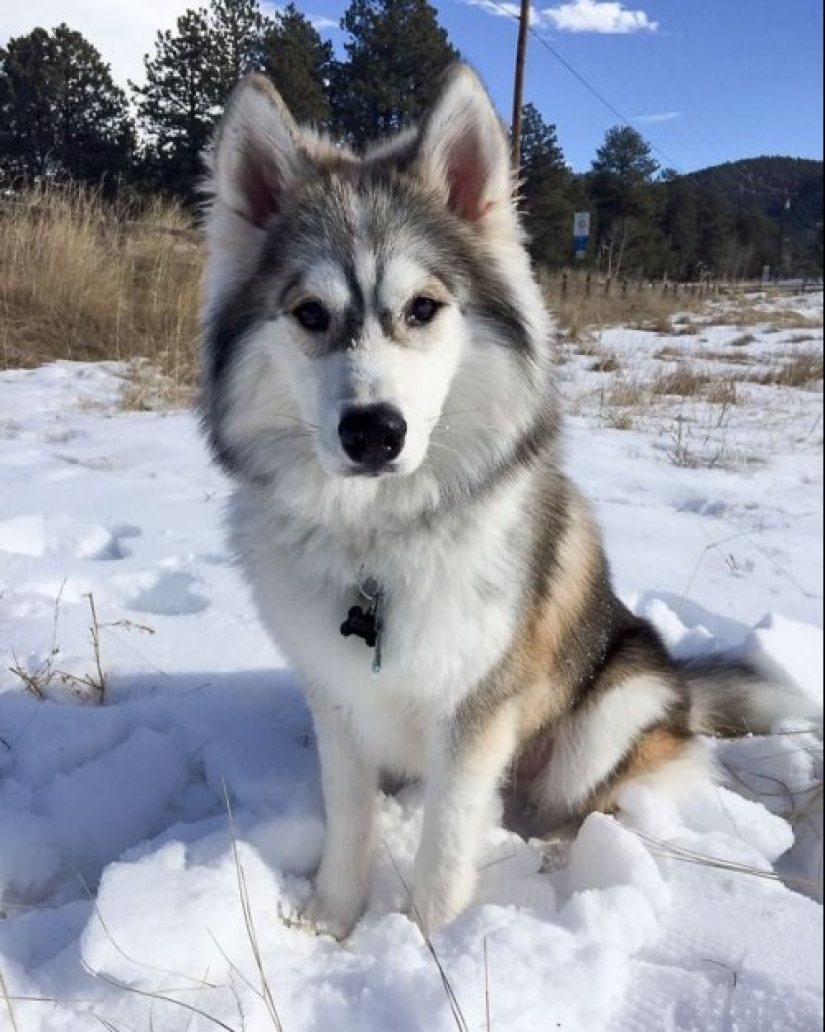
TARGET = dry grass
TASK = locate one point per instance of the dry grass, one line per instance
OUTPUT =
(579, 311)
(743, 313)
(619, 420)
(683, 382)
(697, 431)
(728, 357)
(669, 354)
(42, 680)
(607, 363)
(702, 384)
(83, 280)
(722, 392)
(628, 394)
(802, 369)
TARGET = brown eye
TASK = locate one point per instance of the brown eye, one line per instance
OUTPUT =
(422, 310)
(312, 316)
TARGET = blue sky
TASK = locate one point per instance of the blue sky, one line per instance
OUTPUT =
(705, 81)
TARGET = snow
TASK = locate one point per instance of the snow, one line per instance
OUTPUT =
(156, 844)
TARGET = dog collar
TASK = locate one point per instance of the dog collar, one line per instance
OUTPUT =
(366, 622)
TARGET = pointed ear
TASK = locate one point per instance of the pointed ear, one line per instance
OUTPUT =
(255, 157)
(463, 151)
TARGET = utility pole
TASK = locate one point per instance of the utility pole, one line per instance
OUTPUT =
(521, 50)
(783, 229)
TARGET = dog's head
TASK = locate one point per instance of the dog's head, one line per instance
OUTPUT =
(348, 298)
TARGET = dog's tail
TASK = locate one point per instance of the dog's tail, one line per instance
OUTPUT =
(731, 697)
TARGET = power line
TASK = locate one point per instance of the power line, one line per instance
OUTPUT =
(611, 107)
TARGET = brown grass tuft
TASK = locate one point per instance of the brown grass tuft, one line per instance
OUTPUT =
(607, 363)
(802, 369)
(627, 394)
(684, 382)
(728, 357)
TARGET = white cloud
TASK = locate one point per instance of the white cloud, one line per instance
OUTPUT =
(657, 117)
(500, 10)
(603, 16)
(321, 23)
(122, 30)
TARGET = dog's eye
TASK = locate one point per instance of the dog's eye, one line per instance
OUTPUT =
(421, 310)
(312, 316)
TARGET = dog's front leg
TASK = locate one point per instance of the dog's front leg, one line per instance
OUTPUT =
(350, 786)
(466, 760)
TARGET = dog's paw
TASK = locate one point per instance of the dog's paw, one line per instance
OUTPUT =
(430, 915)
(440, 892)
(321, 917)
(432, 910)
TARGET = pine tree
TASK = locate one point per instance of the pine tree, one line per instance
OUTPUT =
(300, 65)
(545, 190)
(179, 103)
(239, 29)
(619, 186)
(61, 115)
(187, 82)
(626, 155)
(396, 54)
(714, 224)
(677, 226)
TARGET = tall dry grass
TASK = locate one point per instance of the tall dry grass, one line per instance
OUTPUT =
(83, 279)
(582, 307)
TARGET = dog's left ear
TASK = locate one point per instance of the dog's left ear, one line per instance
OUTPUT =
(463, 151)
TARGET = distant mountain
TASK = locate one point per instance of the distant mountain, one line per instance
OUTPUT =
(772, 186)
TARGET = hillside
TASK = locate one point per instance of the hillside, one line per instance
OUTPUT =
(765, 186)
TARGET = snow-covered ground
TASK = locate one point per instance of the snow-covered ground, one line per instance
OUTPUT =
(160, 813)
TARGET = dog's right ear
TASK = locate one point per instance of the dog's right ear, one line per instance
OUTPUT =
(255, 158)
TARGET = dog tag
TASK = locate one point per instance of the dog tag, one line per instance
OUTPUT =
(361, 623)
(366, 623)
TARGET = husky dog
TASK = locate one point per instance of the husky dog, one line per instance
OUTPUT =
(377, 361)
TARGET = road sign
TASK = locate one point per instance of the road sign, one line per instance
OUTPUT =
(581, 224)
(581, 233)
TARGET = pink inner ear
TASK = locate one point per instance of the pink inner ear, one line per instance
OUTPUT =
(260, 185)
(467, 176)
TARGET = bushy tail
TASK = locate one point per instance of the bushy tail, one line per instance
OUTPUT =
(730, 698)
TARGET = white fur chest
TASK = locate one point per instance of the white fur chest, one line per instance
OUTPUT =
(451, 594)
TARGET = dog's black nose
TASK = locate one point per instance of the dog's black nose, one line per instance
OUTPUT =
(372, 435)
